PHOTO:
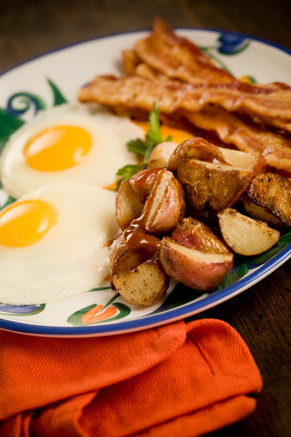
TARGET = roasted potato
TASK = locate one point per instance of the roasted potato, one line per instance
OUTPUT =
(165, 204)
(268, 197)
(260, 213)
(196, 235)
(131, 248)
(244, 235)
(211, 187)
(145, 285)
(128, 205)
(194, 268)
(160, 155)
(195, 148)
(254, 162)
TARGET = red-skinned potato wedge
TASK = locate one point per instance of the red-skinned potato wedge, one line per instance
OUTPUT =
(211, 187)
(200, 149)
(194, 234)
(194, 268)
(254, 162)
(145, 285)
(268, 197)
(143, 182)
(128, 205)
(133, 247)
(195, 148)
(244, 235)
(165, 204)
(160, 155)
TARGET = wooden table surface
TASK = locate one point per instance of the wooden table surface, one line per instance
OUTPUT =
(261, 314)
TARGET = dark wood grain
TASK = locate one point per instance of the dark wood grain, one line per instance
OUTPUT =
(261, 314)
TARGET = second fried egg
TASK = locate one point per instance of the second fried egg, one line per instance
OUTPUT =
(54, 243)
(68, 143)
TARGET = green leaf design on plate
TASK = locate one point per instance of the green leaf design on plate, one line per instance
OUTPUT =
(179, 296)
(59, 98)
(8, 125)
(252, 79)
(234, 275)
(209, 52)
(99, 289)
(9, 117)
(8, 201)
(76, 318)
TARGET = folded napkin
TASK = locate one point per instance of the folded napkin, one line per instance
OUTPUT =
(175, 380)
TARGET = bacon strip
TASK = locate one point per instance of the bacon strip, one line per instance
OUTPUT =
(246, 137)
(279, 123)
(175, 98)
(177, 57)
(273, 100)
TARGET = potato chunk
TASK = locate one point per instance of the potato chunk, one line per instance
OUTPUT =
(211, 187)
(145, 285)
(244, 235)
(164, 200)
(160, 155)
(128, 205)
(132, 248)
(254, 162)
(194, 268)
(269, 194)
(196, 235)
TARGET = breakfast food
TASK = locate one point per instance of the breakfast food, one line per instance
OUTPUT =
(185, 248)
(174, 215)
(67, 143)
(145, 285)
(54, 243)
(189, 88)
(197, 269)
(268, 197)
(244, 235)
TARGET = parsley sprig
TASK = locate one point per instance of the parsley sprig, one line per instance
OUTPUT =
(144, 148)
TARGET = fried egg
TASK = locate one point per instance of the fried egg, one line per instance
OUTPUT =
(53, 243)
(80, 143)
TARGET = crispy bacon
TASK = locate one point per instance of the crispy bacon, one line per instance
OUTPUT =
(273, 100)
(245, 136)
(279, 123)
(186, 84)
(163, 51)
(175, 98)
(177, 57)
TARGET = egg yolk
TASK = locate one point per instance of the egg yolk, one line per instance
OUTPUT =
(26, 222)
(57, 148)
(178, 135)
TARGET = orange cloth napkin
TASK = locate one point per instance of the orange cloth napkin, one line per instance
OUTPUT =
(176, 380)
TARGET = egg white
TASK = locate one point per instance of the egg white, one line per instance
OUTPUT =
(71, 258)
(108, 153)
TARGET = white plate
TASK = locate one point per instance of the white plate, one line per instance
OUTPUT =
(34, 84)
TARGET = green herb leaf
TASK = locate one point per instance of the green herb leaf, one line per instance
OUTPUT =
(129, 170)
(144, 148)
(154, 133)
(137, 146)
